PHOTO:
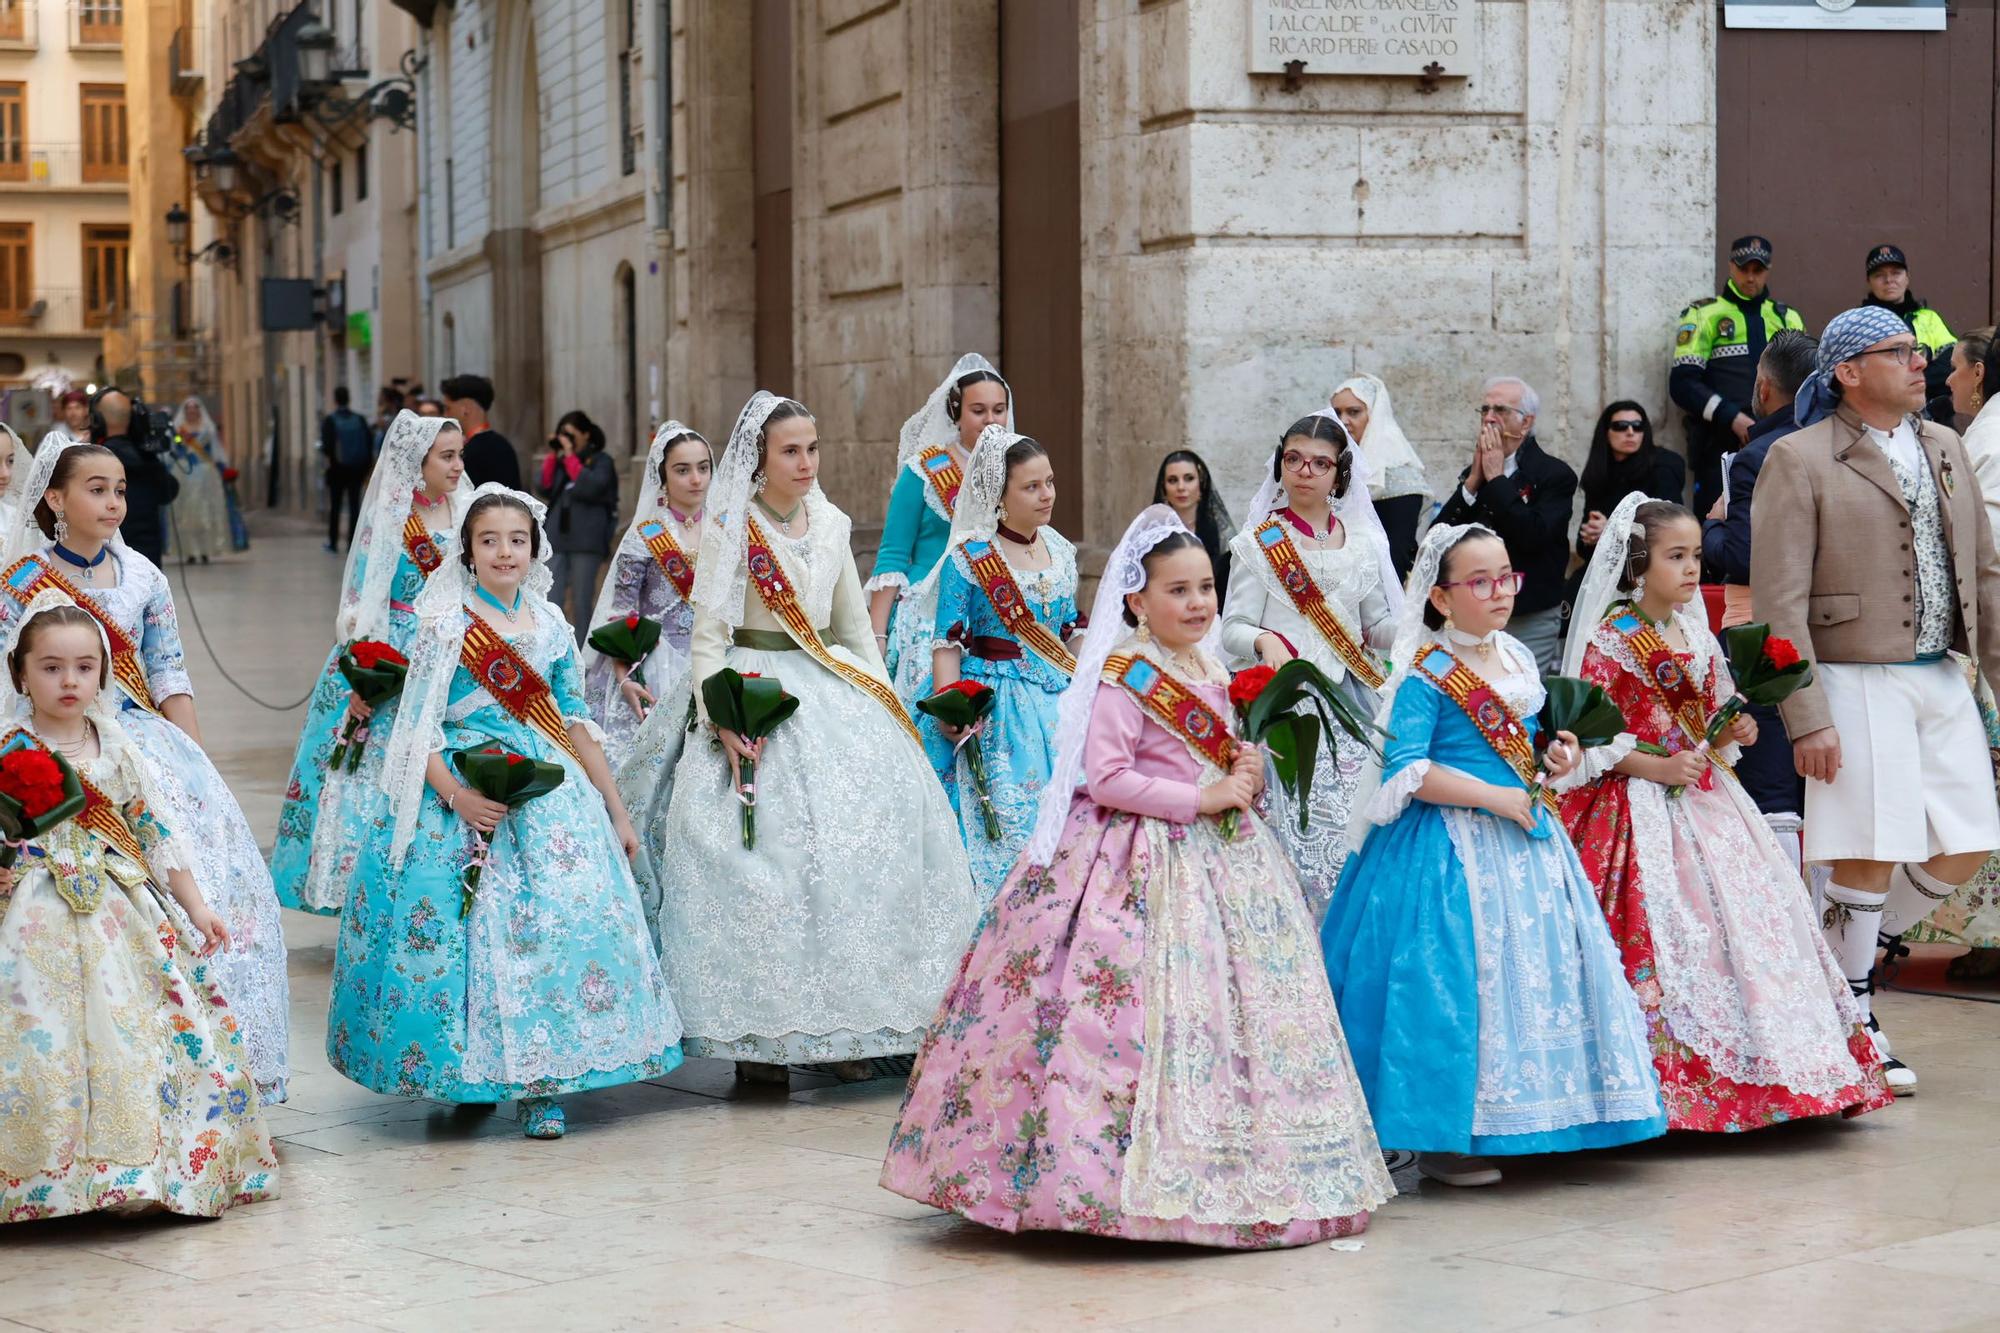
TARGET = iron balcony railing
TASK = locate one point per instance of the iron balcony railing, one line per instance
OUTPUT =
(59, 166)
(96, 25)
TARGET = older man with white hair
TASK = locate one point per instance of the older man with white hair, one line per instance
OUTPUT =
(1871, 551)
(1515, 488)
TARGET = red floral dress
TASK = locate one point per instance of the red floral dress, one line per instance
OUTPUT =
(1750, 1021)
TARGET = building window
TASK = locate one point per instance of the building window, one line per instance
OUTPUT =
(99, 22)
(13, 131)
(107, 262)
(628, 138)
(17, 244)
(14, 20)
(361, 173)
(105, 143)
(338, 187)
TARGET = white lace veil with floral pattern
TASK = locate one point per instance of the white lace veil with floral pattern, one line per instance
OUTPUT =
(1355, 510)
(385, 508)
(632, 546)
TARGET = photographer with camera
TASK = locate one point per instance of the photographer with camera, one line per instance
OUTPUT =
(141, 437)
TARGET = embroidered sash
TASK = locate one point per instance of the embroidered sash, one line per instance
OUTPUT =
(1307, 599)
(1496, 722)
(943, 474)
(422, 548)
(991, 572)
(782, 601)
(668, 555)
(1172, 703)
(1669, 680)
(30, 576)
(506, 675)
(104, 817)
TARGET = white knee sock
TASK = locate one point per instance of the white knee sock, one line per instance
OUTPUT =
(1785, 828)
(1853, 916)
(1914, 893)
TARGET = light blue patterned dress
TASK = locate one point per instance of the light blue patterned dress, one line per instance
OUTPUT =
(228, 865)
(1484, 1002)
(316, 847)
(1019, 739)
(914, 533)
(551, 985)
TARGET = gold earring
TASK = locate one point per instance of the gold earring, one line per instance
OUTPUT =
(1145, 630)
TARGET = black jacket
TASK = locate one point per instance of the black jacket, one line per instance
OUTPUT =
(1725, 542)
(150, 486)
(581, 512)
(1666, 481)
(489, 457)
(1531, 512)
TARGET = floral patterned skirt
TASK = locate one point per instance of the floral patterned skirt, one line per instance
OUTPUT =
(123, 1078)
(1718, 939)
(1140, 1043)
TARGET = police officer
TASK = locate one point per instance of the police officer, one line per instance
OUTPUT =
(1715, 362)
(1889, 287)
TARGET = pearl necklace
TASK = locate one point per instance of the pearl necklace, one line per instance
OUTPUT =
(77, 749)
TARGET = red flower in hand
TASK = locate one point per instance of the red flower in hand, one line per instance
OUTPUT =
(32, 778)
(514, 759)
(1246, 685)
(968, 688)
(1780, 653)
(631, 622)
(751, 675)
(371, 653)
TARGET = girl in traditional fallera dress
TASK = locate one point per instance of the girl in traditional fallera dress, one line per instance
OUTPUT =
(1481, 992)
(409, 520)
(121, 1067)
(1140, 1041)
(1002, 603)
(1310, 577)
(930, 465)
(13, 455)
(1750, 1019)
(71, 504)
(545, 983)
(830, 939)
(651, 576)
(197, 521)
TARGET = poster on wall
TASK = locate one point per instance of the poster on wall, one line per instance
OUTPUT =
(1837, 15)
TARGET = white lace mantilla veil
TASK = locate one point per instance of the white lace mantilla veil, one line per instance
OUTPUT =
(1384, 445)
(16, 710)
(1355, 510)
(976, 516)
(1411, 636)
(434, 654)
(204, 435)
(1124, 572)
(721, 574)
(632, 545)
(385, 507)
(1600, 580)
(26, 489)
(10, 503)
(932, 424)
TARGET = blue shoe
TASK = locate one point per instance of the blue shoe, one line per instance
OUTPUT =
(542, 1118)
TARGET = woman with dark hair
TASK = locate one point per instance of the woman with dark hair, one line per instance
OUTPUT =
(1184, 486)
(580, 483)
(1623, 458)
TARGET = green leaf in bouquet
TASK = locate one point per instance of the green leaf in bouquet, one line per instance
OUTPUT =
(1581, 708)
(960, 704)
(628, 639)
(509, 778)
(1294, 746)
(1299, 681)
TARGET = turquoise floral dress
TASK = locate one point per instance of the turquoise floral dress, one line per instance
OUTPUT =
(320, 822)
(551, 984)
(914, 534)
(1019, 740)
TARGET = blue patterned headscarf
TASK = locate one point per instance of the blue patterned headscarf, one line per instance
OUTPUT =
(1847, 335)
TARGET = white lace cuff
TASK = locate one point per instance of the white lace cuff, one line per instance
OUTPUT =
(1597, 761)
(1728, 752)
(589, 725)
(900, 582)
(1396, 793)
(170, 853)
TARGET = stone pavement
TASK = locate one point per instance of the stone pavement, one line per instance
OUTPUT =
(695, 1203)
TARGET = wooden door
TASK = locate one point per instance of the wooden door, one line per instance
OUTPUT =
(1828, 176)
(13, 131)
(772, 77)
(107, 267)
(1041, 236)
(17, 266)
(105, 145)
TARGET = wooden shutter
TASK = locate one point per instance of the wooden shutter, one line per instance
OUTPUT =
(104, 138)
(17, 243)
(13, 131)
(107, 263)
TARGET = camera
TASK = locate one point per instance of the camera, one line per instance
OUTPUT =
(152, 428)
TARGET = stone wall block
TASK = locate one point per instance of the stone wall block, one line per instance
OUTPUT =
(1166, 192)
(1675, 84)
(1264, 178)
(946, 322)
(1460, 180)
(1669, 166)
(863, 155)
(835, 14)
(867, 327)
(1163, 59)
(860, 249)
(861, 64)
(1334, 294)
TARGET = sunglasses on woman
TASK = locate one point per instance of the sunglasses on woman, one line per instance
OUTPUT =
(1635, 427)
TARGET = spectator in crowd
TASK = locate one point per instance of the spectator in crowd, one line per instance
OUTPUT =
(389, 401)
(1889, 287)
(1526, 496)
(72, 416)
(1183, 484)
(489, 455)
(1624, 458)
(348, 442)
(429, 407)
(1974, 384)
(1766, 768)
(580, 482)
(150, 485)
(1394, 474)
(1716, 349)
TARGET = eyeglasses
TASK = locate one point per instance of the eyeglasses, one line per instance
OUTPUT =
(1485, 589)
(1499, 409)
(1634, 426)
(1317, 465)
(1903, 354)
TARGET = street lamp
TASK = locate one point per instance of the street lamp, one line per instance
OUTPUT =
(223, 164)
(177, 231)
(315, 43)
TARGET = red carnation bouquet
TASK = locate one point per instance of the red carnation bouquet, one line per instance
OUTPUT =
(374, 671)
(629, 639)
(966, 703)
(38, 790)
(1270, 713)
(499, 774)
(752, 706)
